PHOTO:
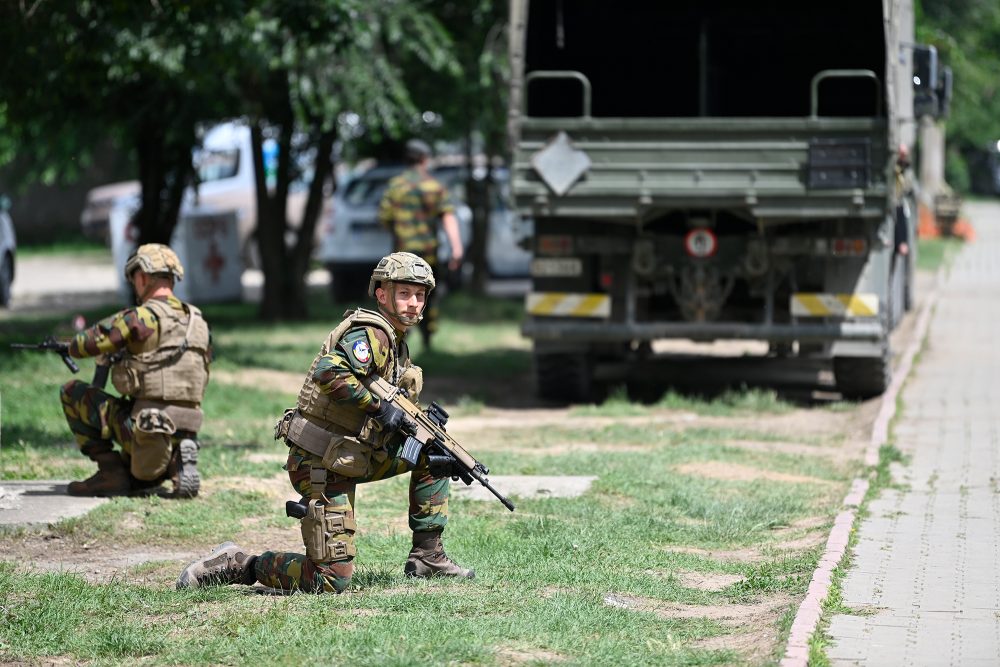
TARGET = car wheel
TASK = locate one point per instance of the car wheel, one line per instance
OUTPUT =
(6, 280)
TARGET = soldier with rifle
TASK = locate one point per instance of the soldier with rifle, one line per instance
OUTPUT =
(358, 420)
(158, 353)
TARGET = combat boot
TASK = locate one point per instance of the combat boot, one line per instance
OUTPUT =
(183, 469)
(428, 559)
(111, 478)
(227, 564)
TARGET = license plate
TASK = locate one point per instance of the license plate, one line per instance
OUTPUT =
(556, 267)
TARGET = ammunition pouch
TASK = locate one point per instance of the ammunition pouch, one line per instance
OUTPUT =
(151, 449)
(345, 455)
(156, 425)
(328, 535)
(126, 380)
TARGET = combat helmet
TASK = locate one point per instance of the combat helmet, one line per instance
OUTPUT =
(402, 267)
(154, 258)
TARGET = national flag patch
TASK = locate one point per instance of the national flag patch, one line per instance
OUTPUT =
(362, 352)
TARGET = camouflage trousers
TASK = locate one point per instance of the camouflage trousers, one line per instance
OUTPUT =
(95, 416)
(428, 512)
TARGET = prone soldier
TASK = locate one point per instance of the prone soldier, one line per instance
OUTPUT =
(159, 352)
(340, 435)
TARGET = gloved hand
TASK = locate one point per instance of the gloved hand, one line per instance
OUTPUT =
(389, 416)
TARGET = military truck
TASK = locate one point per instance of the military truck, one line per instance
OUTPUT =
(713, 170)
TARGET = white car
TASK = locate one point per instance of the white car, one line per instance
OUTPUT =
(352, 240)
(8, 250)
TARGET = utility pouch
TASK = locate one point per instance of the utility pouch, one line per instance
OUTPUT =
(348, 456)
(127, 381)
(151, 450)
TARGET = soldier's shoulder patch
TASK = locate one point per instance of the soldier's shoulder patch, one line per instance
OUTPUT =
(357, 348)
(361, 351)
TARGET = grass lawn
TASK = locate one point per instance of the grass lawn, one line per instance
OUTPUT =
(693, 545)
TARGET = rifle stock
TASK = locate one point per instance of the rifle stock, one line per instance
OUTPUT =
(432, 437)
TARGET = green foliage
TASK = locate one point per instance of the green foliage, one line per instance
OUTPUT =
(967, 35)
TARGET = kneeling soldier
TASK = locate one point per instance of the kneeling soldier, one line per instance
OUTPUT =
(340, 436)
(159, 353)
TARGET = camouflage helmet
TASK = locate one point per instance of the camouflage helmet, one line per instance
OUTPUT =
(153, 258)
(402, 267)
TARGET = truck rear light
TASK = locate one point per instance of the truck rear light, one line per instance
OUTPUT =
(555, 245)
(848, 247)
(701, 243)
(607, 279)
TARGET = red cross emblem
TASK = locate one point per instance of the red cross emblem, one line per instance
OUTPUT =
(214, 261)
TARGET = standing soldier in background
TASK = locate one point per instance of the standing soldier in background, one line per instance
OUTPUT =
(411, 207)
(159, 353)
(339, 435)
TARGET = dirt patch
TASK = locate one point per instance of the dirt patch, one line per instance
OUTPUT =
(518, 656)
(267, 458)
(277, 486)
(706, 581)
(735, 472)
(756, 623)
(793, 448)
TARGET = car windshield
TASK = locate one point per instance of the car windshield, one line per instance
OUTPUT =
(215, 165)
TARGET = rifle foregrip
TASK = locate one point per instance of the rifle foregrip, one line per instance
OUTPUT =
(70, 364)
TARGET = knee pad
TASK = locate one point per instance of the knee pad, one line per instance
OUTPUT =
(328, 535)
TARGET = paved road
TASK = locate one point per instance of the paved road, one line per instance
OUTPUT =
(51, 283)
(926, 569)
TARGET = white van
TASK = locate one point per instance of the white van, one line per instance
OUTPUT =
(224, 164)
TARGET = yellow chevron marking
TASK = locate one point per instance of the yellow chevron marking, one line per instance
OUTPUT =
(565, 304)
(545, 304)
(834, 305)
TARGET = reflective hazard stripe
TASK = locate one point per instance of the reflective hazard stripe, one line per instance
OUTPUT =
(565, 304)
(834, 305)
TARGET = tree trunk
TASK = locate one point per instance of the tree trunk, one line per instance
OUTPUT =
(164, 172)
(478, 195)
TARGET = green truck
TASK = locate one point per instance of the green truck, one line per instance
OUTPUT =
(714, 170)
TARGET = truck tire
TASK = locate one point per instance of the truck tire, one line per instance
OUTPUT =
(860, 378)
(564, 377)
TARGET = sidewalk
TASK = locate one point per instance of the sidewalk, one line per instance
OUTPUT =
(925, 575)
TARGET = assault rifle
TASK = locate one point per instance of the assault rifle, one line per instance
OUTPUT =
(50, 343)
(425, 432)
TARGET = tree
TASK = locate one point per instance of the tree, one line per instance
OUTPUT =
(147, 73)
(967, 36)
(323, 59)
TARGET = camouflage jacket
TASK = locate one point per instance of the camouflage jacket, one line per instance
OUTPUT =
(411, 208)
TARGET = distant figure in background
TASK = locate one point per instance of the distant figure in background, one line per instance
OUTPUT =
(413, 204)
(905, 197)
(159, 353)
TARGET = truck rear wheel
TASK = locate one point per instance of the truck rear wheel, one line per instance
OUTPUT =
(565, 377)
(860, 378)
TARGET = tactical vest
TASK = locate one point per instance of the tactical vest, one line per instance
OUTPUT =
(170, 366)
(323, 410)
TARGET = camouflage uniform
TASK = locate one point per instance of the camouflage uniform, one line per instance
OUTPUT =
(336, 441)
(411, 209)
(161, 390)
(364, 455)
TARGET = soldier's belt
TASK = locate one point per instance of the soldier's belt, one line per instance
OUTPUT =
(308, 436)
